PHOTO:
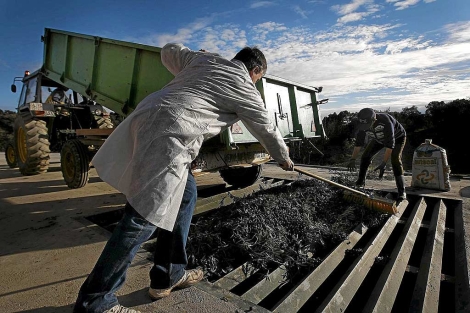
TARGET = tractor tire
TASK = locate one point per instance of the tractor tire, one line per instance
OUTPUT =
(10, 155)
(241, 177)
(31, 145)
(74, 163)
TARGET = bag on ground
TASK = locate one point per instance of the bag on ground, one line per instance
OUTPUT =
(430, 168)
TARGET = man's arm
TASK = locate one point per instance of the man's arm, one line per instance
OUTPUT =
(387, 154)
(176, 56)
(388, 133)
(355, 152)
(256, 119)
(352, 160)
(270, 137)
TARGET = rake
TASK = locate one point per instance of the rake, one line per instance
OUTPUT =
(353, 195)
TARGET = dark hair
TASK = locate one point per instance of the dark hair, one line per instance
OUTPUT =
(252, 57)
(366, 115)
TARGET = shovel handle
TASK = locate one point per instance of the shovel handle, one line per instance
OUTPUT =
(330, 182)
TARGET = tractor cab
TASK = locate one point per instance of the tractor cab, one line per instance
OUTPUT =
(38, 88)
(50, 118)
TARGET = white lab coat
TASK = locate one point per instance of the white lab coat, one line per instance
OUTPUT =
(148, 155)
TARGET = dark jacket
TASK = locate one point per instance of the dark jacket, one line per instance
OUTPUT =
(385, 131)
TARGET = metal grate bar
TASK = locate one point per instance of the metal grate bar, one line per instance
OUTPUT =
(343, 292)
(462, 257)
(300, 295)
(265, 287)
(243, 305)
(426, 292)
(233, 278)
(384, 294)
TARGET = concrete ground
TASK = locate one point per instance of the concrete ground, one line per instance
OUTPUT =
(47, 247)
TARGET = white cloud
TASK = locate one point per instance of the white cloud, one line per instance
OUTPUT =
(350, 7)
(262, 30)
(225, 39)
(401, 5)
(270, 26)
(399, 46)
(375, 65)
(348, 12)
(228, 34)
(352, 17)
(261, 4)
(446, 89)
(302, 13)
(459, 32)
(183, 35)
(352, 61)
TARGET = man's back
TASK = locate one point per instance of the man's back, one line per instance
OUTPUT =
(150, 151)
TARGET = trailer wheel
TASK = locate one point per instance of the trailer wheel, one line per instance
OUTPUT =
(10, 155)
(74, 163)
(241, 177)
(31, 145)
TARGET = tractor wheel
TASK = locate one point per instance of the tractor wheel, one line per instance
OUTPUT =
(241, 177)
(75, 163)
(31, 145)
(10, 155)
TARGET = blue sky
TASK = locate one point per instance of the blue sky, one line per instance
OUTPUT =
(385, 54)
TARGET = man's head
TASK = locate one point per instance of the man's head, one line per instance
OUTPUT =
(365, 118)
(254, 61)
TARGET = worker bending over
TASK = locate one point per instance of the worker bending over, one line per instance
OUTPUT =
(383, 130)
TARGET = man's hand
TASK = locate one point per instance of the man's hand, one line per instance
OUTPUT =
(381, 167)
(352, 165)
(287, 165)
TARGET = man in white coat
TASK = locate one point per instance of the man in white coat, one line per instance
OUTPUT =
(148, 158)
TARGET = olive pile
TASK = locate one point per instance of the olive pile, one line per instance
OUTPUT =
(293, 225)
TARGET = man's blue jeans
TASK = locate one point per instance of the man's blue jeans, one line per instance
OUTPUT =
(97, 293)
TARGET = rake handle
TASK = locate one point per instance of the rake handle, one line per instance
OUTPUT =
(330, 182)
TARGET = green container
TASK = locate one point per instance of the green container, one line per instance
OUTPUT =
(114, 73)
(118, 75)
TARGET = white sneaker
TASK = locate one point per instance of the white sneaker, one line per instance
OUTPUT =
(120, 309)
(190, 278)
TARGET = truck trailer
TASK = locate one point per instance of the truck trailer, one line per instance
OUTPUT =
(87, 84)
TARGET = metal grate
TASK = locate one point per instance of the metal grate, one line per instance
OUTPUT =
(416, 262)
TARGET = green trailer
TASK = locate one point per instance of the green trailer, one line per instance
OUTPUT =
(103, 73)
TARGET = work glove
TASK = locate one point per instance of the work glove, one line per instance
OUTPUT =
(352, 165)
(381, 169)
